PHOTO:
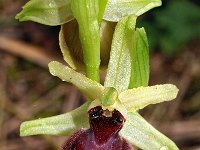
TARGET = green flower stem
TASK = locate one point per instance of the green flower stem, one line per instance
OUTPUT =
(87, 13)
(102, 7)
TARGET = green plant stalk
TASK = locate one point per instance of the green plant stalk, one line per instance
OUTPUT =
(102, 7)
(86, 13)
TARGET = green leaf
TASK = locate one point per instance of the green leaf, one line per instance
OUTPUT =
(119, 68)
(64, 124)
(87, 14)
(141, 134)
(48, 12)
(90, 88)
(139, 60)
(117, 9)
(138, 98)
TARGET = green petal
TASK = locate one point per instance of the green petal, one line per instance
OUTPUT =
(119, 68)
(117, 9)
(64, 124)
(90, 88)
(140, 133)
(48, 12)
(138, 98)
(139, 60)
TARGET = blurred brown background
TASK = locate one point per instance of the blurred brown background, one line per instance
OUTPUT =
(28, 91)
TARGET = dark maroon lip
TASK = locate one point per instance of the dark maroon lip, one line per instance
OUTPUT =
(102, 134)
(104, 127)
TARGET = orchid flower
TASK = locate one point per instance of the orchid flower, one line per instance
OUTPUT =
(126, 84)
(114, 94)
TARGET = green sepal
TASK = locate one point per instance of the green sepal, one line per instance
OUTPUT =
(48, 12)
(117, 9)
(88, 87)
(64, 124)
(140, 133)
(119, 68)
(139, 59)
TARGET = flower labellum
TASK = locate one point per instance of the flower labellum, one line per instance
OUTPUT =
(103, 132)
